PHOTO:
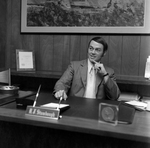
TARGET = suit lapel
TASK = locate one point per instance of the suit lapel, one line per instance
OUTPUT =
(84, 69)
(98, 81)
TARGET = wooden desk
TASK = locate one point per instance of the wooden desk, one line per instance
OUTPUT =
(138, 131)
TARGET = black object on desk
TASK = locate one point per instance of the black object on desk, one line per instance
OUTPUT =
(126, 113)
(25, 98)
(6, 98)
(19, 98)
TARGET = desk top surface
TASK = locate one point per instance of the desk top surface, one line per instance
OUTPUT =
(79, 118)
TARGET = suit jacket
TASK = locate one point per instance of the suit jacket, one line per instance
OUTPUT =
(74, 80)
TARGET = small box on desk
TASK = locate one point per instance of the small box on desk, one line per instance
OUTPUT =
(25, 98)
(21, 98)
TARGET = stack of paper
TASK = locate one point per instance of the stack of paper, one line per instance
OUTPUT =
(148, 106)
(125, 96)
(55, 105)
(138, 104)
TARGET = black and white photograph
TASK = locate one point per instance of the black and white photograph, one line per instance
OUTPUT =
(74, 73)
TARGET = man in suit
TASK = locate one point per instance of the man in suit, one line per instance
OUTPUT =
(89, 78)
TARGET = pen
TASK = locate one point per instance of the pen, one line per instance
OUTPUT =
(60, 101)
(37, 94)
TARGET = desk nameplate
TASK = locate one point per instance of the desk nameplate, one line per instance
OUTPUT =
(43, 112)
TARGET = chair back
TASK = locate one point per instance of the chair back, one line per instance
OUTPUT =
(5, 77)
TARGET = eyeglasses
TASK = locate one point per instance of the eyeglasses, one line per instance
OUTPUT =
(97, 50)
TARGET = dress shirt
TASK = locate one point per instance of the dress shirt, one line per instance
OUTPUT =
(90, 91)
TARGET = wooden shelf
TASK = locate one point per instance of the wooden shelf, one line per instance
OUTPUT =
(42, 74)
(137, 80)
(122, 79)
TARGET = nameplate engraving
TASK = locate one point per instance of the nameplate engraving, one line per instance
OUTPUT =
(43, 112)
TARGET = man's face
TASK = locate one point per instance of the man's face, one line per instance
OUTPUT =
(95, 51)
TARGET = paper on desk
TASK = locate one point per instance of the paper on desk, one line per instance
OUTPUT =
(128, 97)
(148, 106)
(55, 105)
(138, 104)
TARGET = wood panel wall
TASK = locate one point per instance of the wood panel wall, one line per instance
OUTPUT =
(2, 33)
(127, 53)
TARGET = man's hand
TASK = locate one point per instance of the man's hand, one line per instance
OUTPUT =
(99, 67)
(61, 93)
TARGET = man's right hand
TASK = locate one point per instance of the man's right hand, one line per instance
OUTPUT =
(61, 93)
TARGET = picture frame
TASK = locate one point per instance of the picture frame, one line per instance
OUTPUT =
(108, 113)
(124, 28)
(25, 60)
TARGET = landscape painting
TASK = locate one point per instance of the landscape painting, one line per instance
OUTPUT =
(85, 16)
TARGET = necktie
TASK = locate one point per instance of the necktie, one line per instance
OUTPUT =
(90, 88)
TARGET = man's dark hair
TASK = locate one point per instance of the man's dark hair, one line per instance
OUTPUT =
(101, 41)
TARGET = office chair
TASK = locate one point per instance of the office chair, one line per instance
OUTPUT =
(5, 77)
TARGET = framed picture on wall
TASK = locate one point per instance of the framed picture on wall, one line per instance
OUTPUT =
(25, 60)
(85, 16)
